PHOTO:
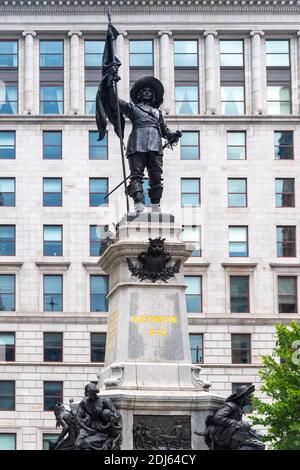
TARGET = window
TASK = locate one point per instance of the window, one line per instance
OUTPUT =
(9, 77)
(238, 241)
(232, 100)
(232, 77)
(51, 99)
(99, 236)
(277, 53)
(53, 244)
(7, 395)
(53, 288)
(189, 146)
(53, 392)
(7, 240)
(47, 439)
(53, 347)
(90, 99)
(141, 53)
(52, 192)
(51, 54)
(7, 347)
(193, 294)
(278, 76)
(236, 385)
(7, 441)
(52, 145)
(286, 241)
(239, 294)
(186, 99)
(7, 292)
(241, 349)
(51, 77)
(185, 53)
(192, 234)
(279, 99)
(98, 341)
(186, 77)
(140, 59)
(146, 187)
(196, 344)
(284, 145)
(98, 191)
(98, 293)
(231, 53)
(97, 149)
(7, 145)
(285, 192)
(236, 145)
(8, 54)
(190, 192)
(7, 192)
(237, 192)
(287, 294)
(93, 53)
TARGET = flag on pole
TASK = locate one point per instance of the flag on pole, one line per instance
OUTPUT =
(106, 106)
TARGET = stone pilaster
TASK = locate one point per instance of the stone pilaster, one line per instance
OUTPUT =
(74, 71)
(298, 85)
(164, 43)
(123, 84)
(256, 75)
(210, 72)
(28, 71)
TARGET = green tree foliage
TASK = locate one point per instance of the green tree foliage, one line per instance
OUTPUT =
(281, 383)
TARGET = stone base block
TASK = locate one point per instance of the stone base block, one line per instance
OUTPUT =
(163, 420)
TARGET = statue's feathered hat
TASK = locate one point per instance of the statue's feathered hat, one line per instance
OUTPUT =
(148, 82)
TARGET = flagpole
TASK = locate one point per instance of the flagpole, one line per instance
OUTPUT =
(119, 124)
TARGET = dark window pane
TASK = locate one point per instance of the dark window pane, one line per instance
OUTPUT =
(7, 240)
(239, 294)
(99, 290)
(286, 241)
(7, 395)
(284, 145)
(7, 292)
(53, 347)
(241, 349)
(47, 438)
(7, 346)
(53, 392)
(98, 341)
(7, 191)
(53, 293)
(287, 294)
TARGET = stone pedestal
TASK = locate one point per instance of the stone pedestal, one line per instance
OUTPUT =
(148, 368)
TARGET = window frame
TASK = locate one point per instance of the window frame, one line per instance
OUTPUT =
(135, 67)
(13, 192)
(106, 277)
(61, 347)
(291, 146)
(5, 346)
(235, 242)
(182, 146)
(61, 294)
(13, 132)
(94, 146)
(93, 349)
(248, 350)
(202, 342)
(244, 132)
(8, 240)
(61, 241)
(244, 275)
(11, 294)
(285, 193)
(198, 296)
(13, 67)
(9, 396)
(286, 244)
(7, 433)
(47, 192)
(90, 193)
(183, 193)
(49, 146)
(56, 67)
(295, 277)
(245, 194)
(45, 396)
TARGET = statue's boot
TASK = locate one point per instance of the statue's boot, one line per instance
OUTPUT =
(155, 208)
(139, 207)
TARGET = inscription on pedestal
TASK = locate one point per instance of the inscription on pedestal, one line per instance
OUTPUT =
(161, 432)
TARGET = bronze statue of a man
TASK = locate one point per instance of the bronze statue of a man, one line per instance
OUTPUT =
(144, 147)
(226, 430)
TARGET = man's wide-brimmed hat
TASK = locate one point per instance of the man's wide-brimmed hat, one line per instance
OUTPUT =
(148, 82)
(241, 392)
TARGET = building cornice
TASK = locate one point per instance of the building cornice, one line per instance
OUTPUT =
(44, 7)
